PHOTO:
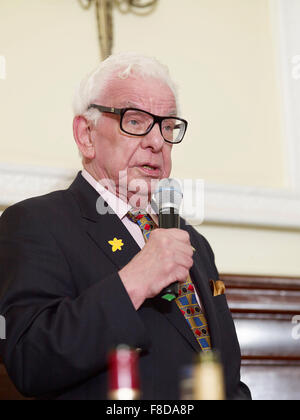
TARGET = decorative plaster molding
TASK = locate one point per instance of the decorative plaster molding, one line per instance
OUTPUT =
(222, 204)
(233, 205)
(18, 182)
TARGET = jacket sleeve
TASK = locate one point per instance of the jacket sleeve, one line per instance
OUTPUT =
(55, 339)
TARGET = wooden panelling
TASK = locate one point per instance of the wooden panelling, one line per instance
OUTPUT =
(264, 309)
(272, 380)
(263, 294)
(267, 336)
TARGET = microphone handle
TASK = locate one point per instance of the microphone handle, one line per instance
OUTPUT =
(170, 220)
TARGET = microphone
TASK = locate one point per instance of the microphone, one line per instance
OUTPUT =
(168, 197)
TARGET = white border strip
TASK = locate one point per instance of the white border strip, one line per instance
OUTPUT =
(286, 29)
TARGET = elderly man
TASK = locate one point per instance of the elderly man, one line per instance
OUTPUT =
(76, 281)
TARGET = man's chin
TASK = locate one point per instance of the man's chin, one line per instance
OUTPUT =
(138, 200)
(142, 186)
(137, 189)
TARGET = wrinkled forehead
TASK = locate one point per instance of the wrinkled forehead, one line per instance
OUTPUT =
(148, 93)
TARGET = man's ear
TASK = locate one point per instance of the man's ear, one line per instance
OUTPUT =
(83, 136)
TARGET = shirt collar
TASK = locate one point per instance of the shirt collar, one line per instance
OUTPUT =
(116, 204)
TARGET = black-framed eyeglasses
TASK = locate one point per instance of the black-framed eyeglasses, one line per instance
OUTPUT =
(137, 122)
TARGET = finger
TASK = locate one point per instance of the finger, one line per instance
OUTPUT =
(180, 235)
(180, 247)
(177, 260)
(174, 238)
(182, 274)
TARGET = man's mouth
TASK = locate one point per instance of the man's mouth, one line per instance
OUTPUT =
(152, 170)
(149, 167)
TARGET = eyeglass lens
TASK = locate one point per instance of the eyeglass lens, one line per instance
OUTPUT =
(138, 123)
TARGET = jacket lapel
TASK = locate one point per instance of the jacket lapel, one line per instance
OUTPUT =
(103, 228)
(108, 229)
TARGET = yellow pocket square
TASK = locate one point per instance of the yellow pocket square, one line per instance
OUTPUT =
(217, 287)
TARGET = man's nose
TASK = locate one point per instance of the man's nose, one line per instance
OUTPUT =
(154, 139)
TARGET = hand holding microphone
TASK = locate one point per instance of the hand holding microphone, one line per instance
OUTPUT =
(166, 257)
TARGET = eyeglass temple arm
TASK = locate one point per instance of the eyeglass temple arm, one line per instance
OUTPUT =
(101, 108)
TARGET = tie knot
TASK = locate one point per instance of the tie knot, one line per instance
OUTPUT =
(144, 221)
(135, 217)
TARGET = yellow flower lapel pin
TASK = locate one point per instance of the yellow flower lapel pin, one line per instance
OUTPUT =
(116, 244)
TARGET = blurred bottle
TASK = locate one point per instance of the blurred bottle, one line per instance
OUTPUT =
(123, 376)
(187, 383)
(208, 377)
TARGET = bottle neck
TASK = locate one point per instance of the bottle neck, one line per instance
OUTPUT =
(123, 374)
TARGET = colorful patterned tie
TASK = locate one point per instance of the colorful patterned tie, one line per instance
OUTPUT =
(187, 303)
(145, 223)
(186, 300)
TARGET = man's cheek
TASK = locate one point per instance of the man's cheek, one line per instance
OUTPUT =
(167, 169)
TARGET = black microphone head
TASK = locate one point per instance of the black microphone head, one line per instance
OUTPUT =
(168, 195)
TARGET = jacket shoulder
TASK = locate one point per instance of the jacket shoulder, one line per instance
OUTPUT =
(203, 248)
(195, 235)
(43, 209)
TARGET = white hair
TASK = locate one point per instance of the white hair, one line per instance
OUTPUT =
(123, 65)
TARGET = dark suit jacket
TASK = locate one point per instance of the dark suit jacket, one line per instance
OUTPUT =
(66, 307)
